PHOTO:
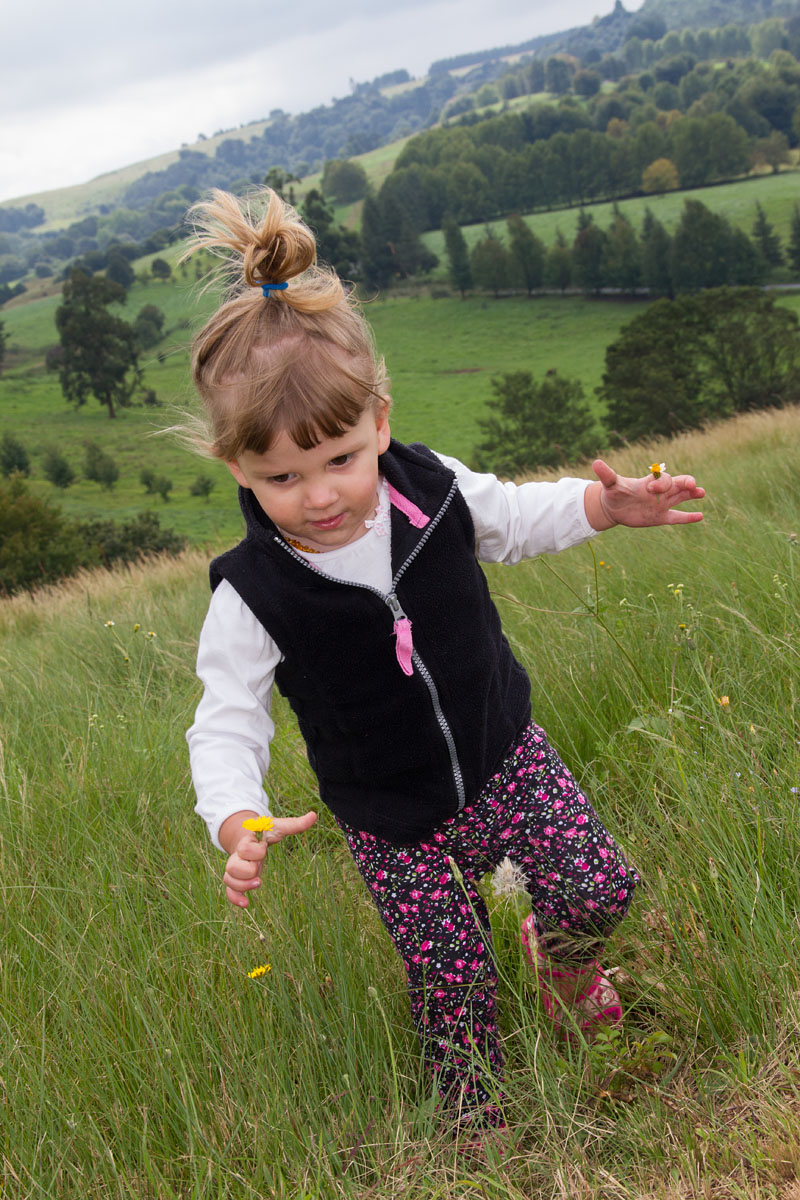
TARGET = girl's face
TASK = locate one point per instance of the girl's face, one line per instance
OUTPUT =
(322, 496)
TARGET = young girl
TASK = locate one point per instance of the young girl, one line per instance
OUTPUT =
(357, 590)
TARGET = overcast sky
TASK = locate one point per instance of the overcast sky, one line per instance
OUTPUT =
(87, 87)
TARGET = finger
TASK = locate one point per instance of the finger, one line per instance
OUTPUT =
(288, 826)
(237, 898)
(676, 517)
(606, 474)
(252, 851)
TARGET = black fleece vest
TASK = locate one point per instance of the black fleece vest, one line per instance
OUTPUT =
(394, 754)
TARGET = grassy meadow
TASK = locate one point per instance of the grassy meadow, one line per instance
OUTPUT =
(140, 1061)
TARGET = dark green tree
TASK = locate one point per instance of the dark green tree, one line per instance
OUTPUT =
(376, 253)
(37, 544)
(707, 252)
(794, 239)
(119, 269)
(344, 180)
(3, 343)
(587, 254)
(766, 239)
(337, 246)
(100, 467)
(160, 269)
(558, 264)
(527, 253)
(14, 458)
(490, 265)
(457, 255)
(56, 469)
(149, 326)
(621, 263)
(100, 351)
(203, 485)
(656, 257)
(683, 362)
(530, 425)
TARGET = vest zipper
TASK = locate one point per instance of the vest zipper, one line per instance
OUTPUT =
(396, 609)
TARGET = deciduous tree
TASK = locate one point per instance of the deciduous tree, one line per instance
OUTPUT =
(100, 350)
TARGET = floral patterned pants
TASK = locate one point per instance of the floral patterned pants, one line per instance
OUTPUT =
(580, 885)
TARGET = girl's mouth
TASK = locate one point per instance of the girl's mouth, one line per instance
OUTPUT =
(329, 522)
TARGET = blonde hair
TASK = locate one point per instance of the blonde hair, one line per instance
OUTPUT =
(300, 360)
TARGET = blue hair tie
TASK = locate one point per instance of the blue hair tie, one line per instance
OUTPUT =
(266, 288)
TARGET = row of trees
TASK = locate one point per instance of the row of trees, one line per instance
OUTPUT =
(677, 365)
(705, 251)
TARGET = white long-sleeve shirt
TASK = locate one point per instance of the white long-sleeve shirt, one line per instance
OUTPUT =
(236, 660)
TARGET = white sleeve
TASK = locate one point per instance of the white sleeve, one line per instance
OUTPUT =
(516, 521)
(229, 740)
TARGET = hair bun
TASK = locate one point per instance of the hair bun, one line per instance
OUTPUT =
(273, 244)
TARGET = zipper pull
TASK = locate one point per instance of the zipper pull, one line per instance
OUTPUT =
(404, 646)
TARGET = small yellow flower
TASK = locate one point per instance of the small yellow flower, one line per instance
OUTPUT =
(257, 972)
(150, 633)
(136, 627)
(258, 824)
(110, 624)
(656, 469)
(724, 701)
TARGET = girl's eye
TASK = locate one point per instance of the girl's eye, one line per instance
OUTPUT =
(278, 478)
(341, 460)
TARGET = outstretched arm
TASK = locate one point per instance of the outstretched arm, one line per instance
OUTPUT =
(651, 500)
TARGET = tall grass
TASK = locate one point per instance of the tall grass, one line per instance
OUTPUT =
(138, 1058)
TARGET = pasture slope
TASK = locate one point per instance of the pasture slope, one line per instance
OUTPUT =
(139, 1059)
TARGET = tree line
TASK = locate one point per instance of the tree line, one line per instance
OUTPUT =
(705, 251)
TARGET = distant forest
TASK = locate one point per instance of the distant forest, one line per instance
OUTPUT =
(667, 97)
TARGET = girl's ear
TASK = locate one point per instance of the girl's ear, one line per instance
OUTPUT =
(382, 425)
(237, 473)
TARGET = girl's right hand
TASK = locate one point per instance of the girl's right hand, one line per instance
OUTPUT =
(244, 866)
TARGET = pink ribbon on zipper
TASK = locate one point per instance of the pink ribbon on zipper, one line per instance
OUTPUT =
(404, 647)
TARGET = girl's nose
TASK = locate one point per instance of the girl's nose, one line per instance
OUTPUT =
(320, 495)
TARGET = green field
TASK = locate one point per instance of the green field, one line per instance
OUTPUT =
(141, 1062)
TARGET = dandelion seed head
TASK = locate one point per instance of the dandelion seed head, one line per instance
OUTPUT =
(508, 879)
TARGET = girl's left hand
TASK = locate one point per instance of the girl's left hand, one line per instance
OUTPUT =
(618, 500)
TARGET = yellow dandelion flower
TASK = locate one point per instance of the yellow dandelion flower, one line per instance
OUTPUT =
(257, 972)
(136, 627)
(150, 633)
(724, 701)
(656, 469)
(258, 824)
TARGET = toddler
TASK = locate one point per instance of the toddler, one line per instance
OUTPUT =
(357, 590)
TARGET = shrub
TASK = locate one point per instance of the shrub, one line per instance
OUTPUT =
(100, 467)
(13, 456)
(37, 544)
(203, 486)
(56, 469)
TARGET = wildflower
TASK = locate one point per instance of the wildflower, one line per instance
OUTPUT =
(136, 627)
(508, 879)
(150, 633)
(724, 701)
(258, 824)
(257, 972)
(656, 469)
(110, 624)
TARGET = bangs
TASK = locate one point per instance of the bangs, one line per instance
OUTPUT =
(306, 388)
